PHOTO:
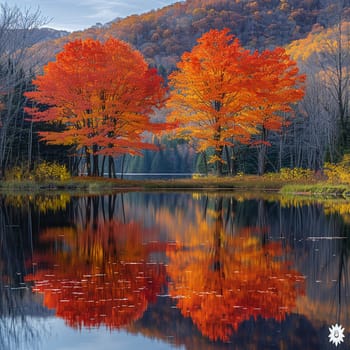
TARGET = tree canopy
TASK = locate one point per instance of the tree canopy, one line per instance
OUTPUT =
(222, 94)
(102, 94)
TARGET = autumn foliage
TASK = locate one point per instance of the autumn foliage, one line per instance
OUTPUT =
(164, 34)
(222, 94)
(101, 95)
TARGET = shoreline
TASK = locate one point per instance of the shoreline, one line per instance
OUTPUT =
(93, 185)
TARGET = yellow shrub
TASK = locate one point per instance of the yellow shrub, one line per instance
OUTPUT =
(51, 171)
(340, 172)
(296, 174)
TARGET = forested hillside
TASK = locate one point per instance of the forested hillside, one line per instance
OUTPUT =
(163, 35)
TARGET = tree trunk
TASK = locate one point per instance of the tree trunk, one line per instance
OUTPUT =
(95, 170)
(75, 164)
(30, 147)
(88, 161)
(218, 161)
(111, 167)
(262, 151)
(229, 160)
(261, 159)
(103, 166)
(122, 167)
(205, 163)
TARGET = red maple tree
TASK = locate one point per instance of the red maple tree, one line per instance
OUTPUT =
(102, 94)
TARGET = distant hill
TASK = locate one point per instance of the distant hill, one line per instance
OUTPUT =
(46, 34)
(35, 35)
(163, 35)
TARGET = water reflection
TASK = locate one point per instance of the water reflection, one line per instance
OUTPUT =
(202, 270)
(99, 271)
(223, 278)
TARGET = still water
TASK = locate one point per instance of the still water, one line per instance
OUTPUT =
(173, 270)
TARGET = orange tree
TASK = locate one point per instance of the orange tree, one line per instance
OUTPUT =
(101, 95)
(221, 93)
(280, 86)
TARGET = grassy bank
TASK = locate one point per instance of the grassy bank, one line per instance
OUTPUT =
(244, 182)
(74, 185)
(92, 185)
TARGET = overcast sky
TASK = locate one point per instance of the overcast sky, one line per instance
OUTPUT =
(81, 14)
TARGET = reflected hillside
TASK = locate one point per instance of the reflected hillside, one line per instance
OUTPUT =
(294, 333)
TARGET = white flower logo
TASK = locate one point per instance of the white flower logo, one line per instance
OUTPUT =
(336, 334)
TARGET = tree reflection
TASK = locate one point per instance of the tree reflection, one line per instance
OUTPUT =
(224, 279)
(102, 261)
(105, 272)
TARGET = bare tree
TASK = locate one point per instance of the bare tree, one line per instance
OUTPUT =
(322, 130)
(16, 35)
(334, 62)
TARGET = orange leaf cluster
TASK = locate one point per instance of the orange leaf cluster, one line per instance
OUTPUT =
(102, 93)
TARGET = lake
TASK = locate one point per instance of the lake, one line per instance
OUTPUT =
(173, 270)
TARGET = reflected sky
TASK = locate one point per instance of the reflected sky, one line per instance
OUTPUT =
(66, 338)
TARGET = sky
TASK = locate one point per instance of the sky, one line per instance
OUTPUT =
(74, 15)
